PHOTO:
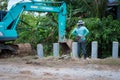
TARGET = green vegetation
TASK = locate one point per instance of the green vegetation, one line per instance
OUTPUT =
(3, 4)
(105, 31)
(38, 30)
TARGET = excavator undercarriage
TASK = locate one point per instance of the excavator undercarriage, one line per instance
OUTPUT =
(23, 49)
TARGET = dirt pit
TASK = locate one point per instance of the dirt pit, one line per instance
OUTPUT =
(34, 68)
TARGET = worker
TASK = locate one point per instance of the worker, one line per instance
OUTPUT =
(81, 32)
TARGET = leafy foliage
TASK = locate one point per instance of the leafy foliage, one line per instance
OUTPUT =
(87, 8)
(3, 4)
(37, 30)
(105, 31)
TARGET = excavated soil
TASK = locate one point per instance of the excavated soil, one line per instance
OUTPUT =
(49, 68)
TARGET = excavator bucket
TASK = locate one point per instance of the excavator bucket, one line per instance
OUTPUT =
(24, 49)
(66, 46)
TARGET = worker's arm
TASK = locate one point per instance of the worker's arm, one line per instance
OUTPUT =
(74, 32)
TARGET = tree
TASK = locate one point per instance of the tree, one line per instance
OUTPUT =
(87, 8)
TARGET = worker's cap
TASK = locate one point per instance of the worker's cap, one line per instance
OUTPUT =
(80, 22)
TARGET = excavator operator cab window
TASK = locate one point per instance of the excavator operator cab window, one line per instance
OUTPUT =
(2, 14)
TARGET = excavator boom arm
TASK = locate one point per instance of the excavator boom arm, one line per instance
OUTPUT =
(9, 22)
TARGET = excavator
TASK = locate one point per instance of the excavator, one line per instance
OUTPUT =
(10, 19)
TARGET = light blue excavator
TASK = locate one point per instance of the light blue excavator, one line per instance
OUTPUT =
(10, 19)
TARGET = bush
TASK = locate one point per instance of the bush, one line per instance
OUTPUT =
(105, 31)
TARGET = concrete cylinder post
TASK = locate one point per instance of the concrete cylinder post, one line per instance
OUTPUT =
(115, 49)
(74, 53)
(56, 50)
(40, 52)
(94, 53)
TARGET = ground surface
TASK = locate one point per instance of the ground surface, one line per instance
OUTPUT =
(33, 68)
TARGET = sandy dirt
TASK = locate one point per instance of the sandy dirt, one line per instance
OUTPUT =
(34, 68)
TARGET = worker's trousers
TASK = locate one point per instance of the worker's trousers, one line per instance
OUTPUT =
(82, 45)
